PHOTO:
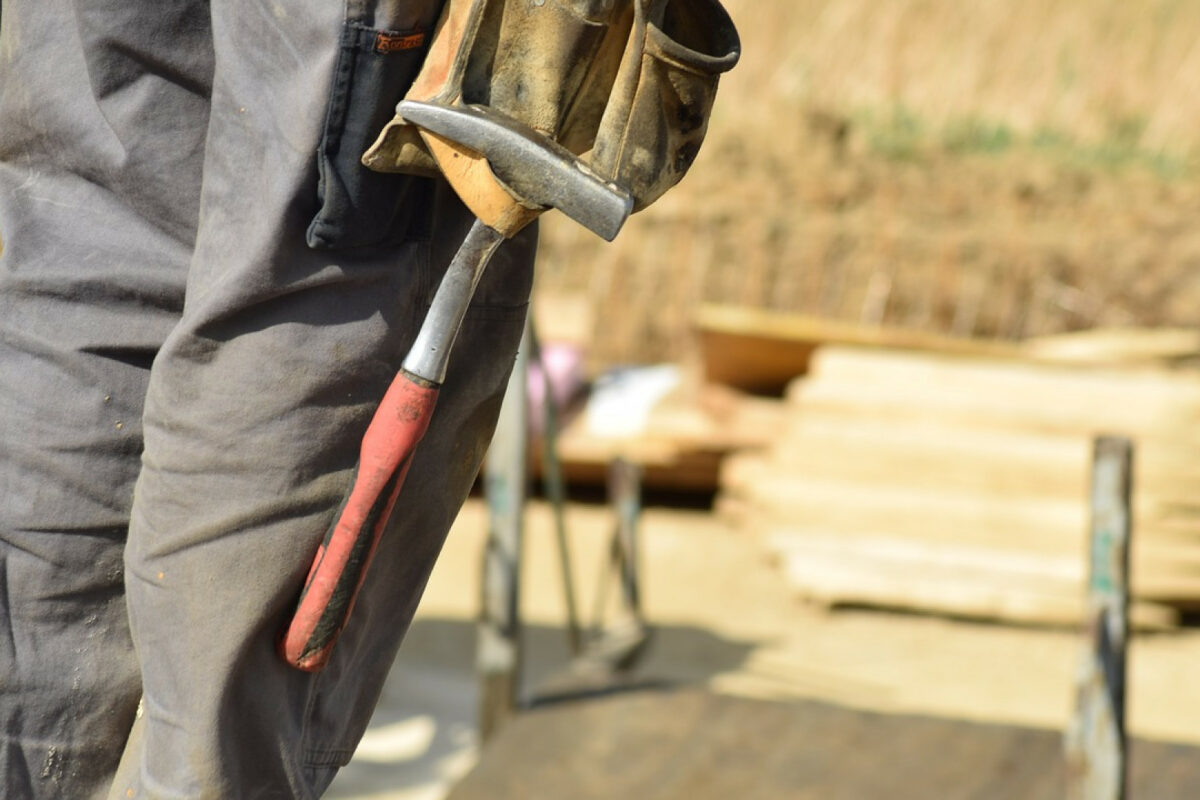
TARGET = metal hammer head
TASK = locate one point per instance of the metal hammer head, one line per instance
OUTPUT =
(534, 168)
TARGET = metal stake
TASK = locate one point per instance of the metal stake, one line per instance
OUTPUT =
(506, 484)
(1096, 739)
(556, 492)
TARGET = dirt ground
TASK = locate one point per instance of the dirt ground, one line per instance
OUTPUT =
(725, 619)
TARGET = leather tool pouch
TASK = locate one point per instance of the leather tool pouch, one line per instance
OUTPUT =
(632, 81)
(658, 109)
(555, 65)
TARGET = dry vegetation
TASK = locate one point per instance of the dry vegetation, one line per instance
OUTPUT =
(998, 168)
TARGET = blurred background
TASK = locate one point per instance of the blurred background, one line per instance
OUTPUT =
(859, 357)
(992, 169)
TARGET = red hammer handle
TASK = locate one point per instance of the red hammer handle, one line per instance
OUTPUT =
(341, 562)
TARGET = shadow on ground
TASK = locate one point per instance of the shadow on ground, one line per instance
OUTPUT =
(692, 744)
(423, 735)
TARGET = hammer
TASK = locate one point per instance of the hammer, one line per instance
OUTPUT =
(507, 174)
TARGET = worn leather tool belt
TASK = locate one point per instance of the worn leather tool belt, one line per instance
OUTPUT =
(626, 84)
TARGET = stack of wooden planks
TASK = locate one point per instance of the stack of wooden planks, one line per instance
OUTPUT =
(958, 484)
(679, 442)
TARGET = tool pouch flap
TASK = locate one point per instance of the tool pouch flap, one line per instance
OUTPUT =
(657, 115)
(550, 64)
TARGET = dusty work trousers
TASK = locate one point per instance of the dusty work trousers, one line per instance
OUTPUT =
(202, 300)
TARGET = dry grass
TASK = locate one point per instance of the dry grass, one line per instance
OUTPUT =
(1090, 68)
(996, 168)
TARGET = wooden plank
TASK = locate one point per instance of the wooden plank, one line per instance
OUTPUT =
(1108, 346)
(1165, 572)
(875, 446)
(866, 366)
(753, 363)
(873, 451)
(993, 391)
(681, 446)
(967, 582)
(585, 463)
(1046, 524)
(1037, 411)
(760, 350)
(861, 475)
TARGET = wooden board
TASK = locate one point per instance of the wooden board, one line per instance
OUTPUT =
(959, 484)
(1108, 346)
(968, 506)
(952, 455)
(992, 392)
(693, 745)
(965, 582)
(760, 351)
(685, 438)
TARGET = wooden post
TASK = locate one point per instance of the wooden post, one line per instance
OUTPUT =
(1096, 740)
(505, 484)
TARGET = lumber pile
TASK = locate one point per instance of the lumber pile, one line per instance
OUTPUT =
(679, 439)
(958, 484)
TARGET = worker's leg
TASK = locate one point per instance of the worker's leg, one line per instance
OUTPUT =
(256, 406)
(103, 107)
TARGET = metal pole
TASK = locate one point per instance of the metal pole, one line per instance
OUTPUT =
(619, 646)
(1096, 739)
(556, 491)
(625, 488)
(505, 484)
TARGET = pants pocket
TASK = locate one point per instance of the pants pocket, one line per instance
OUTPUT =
(358, 207)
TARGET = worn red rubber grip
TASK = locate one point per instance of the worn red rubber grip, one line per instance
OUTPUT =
(341, 562)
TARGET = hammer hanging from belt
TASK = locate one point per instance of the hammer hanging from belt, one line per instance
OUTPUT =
(593, 107)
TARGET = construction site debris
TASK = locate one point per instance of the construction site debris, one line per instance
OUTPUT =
(675, 428)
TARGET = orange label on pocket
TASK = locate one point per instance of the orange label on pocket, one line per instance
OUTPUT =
(392, 43)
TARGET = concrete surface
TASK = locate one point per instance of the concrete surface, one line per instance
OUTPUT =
(726, 620)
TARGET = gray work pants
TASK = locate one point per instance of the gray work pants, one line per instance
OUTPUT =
(202, 299)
